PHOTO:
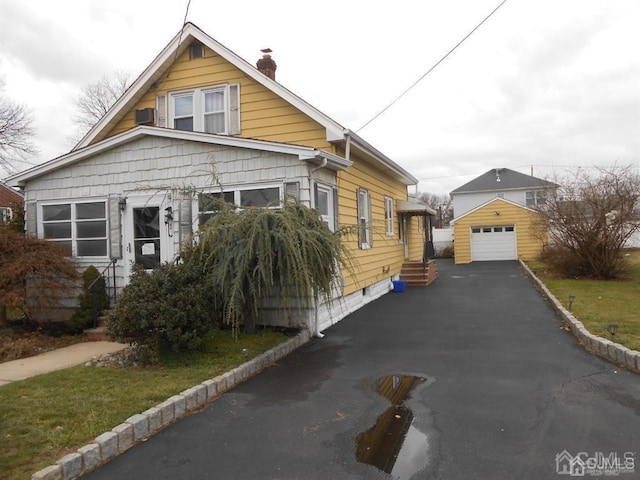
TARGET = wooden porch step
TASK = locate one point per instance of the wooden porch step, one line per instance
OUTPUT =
(98, 334)
(417, 274)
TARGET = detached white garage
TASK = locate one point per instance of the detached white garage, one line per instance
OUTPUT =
(493, 243)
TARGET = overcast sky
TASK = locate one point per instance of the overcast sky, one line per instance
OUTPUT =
(543, 84)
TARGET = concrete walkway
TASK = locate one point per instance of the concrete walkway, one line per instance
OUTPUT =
(58, 359)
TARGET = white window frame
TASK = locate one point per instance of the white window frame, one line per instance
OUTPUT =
(237, 195)
(539, 198)
(6, 214)
(74, 225)
(330, 218)
(388, 215)
(363, 203)
(198, 96)
(175, 117)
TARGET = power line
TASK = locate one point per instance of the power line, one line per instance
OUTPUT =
(432, 68)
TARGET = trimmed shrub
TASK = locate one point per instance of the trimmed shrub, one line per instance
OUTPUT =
(173, 306)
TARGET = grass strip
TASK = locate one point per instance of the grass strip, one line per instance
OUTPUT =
(598, 303)
(45, 417)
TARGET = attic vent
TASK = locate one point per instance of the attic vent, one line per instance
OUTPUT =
(196, 50)
(144, 116)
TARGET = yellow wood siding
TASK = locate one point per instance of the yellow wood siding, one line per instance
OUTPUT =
(528, 241)
(266, 116)
(385, 257)
(416, 238)
(263, 114)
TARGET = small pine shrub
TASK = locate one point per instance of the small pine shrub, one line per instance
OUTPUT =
(91, 300)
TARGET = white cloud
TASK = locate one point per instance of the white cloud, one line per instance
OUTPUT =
(541, 83)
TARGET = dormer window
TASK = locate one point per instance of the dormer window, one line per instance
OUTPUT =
(214, 109)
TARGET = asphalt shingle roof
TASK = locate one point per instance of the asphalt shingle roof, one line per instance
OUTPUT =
(503, 179)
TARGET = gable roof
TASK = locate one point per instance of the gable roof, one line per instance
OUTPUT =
(489, 202)
(164, 61)
(304, 153)
(500, 179)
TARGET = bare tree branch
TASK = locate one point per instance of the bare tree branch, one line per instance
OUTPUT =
(97, 98)
(16, 134)
(590, 219)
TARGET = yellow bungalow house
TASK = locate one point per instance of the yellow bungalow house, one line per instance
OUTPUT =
(201, 122)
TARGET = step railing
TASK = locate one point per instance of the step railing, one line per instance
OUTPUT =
(109, 275)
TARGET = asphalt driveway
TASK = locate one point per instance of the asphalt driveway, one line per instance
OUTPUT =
(501, 389)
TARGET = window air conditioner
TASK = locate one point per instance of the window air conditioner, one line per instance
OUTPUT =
(144, 116)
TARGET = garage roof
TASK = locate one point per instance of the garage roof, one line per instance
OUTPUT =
(503, 179)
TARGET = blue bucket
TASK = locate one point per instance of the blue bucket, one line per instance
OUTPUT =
(399, 285)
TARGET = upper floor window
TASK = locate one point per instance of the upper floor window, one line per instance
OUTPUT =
(79, 227)
(214, 109)
(536, 197)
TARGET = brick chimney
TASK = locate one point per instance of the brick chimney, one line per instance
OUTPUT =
(266, 64)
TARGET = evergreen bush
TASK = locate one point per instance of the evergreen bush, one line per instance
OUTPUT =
(94, 298)
(173, 306)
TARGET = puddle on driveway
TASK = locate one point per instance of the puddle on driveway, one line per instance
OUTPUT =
(394, 444)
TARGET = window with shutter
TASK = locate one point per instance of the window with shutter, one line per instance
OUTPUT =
(364, 219)
(80, 227)
(212, 109)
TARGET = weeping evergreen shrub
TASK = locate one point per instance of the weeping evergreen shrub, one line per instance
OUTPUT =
(287, 255)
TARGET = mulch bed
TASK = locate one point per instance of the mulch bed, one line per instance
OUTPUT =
(20, 342)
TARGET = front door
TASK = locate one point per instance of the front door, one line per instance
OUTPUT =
(147, 240)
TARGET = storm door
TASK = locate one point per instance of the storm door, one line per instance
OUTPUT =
(146, 237)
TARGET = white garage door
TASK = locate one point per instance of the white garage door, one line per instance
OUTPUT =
(493, 243)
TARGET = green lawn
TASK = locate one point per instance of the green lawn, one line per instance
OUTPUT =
(601, 302)
(46, 417)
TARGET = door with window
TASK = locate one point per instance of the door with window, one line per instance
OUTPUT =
(147, 235)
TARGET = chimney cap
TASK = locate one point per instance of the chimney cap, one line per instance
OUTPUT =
(266, 50)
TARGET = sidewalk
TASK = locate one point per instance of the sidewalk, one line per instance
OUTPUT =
(58, 359)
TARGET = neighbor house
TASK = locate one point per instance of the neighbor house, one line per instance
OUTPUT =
(202, 123)
(495, 216)
(10, 201)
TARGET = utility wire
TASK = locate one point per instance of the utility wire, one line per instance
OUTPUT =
(432, 68)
